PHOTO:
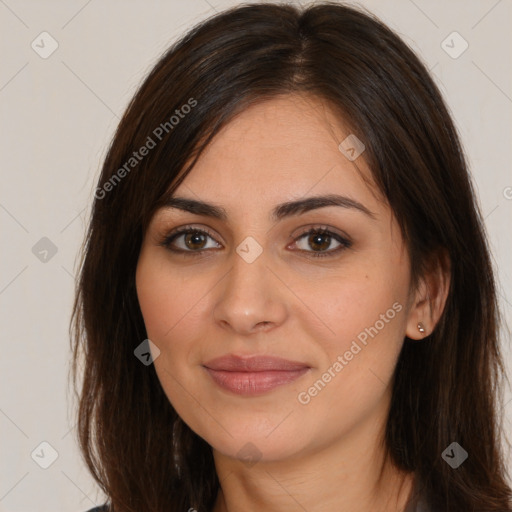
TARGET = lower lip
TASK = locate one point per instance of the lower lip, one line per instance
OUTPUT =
(254, 383)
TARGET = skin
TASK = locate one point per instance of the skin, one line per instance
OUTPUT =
(327, 454)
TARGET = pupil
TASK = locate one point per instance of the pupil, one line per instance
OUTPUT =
(194, 239)
(317, 238)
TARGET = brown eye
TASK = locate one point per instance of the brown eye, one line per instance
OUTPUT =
(320, 241)
(189, 240)
(195, 240)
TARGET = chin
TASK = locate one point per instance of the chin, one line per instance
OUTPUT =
(252, 442)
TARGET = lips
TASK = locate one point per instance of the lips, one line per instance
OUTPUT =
(233, 363)
(253, 375)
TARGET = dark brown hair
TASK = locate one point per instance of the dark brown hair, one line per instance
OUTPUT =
(445, 388)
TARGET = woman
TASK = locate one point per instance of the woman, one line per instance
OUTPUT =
(286, 298)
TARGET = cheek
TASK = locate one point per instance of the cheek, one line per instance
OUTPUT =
(171, 307)
(365, 312)
(175, 308)
(364, 304)
(167, 301)
(154, 300)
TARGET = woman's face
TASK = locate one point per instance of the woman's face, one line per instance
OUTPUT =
(257, 284)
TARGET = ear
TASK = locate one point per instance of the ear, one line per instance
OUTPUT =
(430, 296)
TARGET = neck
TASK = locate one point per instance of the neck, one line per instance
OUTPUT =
(346, 476)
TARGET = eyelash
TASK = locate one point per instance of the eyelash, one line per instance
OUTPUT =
(322, 230)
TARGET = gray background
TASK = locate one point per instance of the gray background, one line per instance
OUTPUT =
(58, 114)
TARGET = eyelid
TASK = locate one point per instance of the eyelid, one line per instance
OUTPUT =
(320, 228)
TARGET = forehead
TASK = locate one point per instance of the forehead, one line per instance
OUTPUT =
(276, 150)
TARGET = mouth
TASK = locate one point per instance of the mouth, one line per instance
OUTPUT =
(254, 375)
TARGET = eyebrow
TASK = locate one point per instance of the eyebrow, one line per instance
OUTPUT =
(287, 209)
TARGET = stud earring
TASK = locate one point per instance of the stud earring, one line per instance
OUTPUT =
(421, 328)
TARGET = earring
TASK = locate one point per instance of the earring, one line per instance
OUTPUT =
(421, 328)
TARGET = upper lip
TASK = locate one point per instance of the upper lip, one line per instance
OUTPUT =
(235, 363)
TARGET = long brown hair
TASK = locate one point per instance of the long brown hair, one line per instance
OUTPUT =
(445, 389)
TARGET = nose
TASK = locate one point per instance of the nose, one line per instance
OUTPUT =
(251, 299)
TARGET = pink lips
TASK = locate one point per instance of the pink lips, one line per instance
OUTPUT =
(253, 375)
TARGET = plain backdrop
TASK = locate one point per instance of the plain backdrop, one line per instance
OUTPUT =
(58, 113)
